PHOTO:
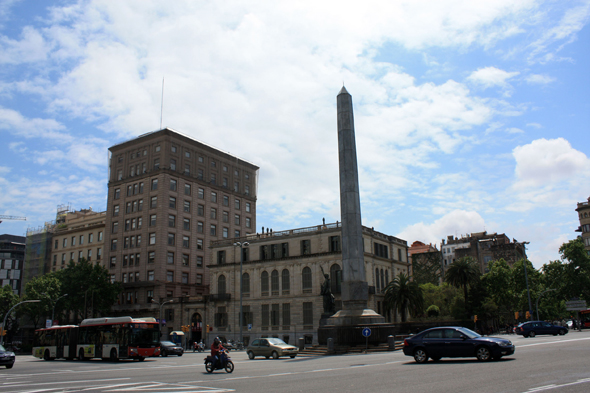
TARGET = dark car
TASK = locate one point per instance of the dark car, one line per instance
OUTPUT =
(170, 348)
(7, 358)
(455, 342)
(531, 329)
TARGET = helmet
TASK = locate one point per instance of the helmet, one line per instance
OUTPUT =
(216, 341)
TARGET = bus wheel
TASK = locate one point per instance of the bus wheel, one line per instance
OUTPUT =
(46, 355)
(141, 358)
(114, 357)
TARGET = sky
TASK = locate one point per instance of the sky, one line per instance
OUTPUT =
(470, 116)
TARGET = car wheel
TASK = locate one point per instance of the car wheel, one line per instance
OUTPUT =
(179, 354)
(9, 365)
(436, 359)
(483, 354)
(532, 334)
(293, 356)
(164, 354)
(275, 355)
(562, 332)
(250, 355)
(420, 355)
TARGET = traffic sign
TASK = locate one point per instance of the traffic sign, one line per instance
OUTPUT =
(249, 326)
(576, 305)
(366, 332)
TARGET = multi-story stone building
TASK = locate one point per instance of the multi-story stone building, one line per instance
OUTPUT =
(77, 235)
(282, 277)
(583, 210)
(483, 247)
(12, 257)
(38, 251)
(169, 196)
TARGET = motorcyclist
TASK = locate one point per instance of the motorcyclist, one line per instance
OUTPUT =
(216, 350)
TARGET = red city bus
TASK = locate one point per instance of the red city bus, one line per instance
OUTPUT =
(585, 318)
(105, 338)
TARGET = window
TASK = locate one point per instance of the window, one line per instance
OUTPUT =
(237, 219)
(213, 178)
(186, 224)
(171, 239)
(199, 244)
(286, 314)
(90, 239)
(173, 185)
(237, 204)
(246, 284)
(213, 196)
(200, 174)
(306, 282)
(173, 164)
(335, 243)
(152, 239)
(170, 276)
(225, 168)
(248, 207)
(274, 282)
(199, 261)
(305, 247)
(237, 188)
(115, 210)
(236, 233)
(128, 207)
(225, 232)
(151, 257)
(184, 278)
(154, 184)
(113, 261)
(170, 257)
(98, 253)
(285, 281)
(225, 200)
(213, 213)
(185, 260)
(152, 220)
(120, 174)
(200, 210)
(115, 229)
(186, 242)
(187, 189)
(221, 317)
(172, 203)
(213, 231)
(117, 193)
(157, 148)
(247, 190)
(65, 242)
(213, 164)
(221, 284)
(81, 239)
(171, 221)
(128, 224)
(265, 316)
(125, 260)
(199, 279)
(225, 216)
(248, 222)
(201, 193)
(73, 240)
(173, 149)
(274, 315)
(154, 202)
(264, 283)
(156, 164)
(114, 245)
(221, 257)
(224, 182)
(200, 227)
(308, 313)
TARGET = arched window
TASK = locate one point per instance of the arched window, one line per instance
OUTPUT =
(264, 283)
(306, 283)
(377, 288)
(221, 284)
(382, 280)
(336, 278)
(386, 277)
(246, 284)
(274, 282)
(286, 281)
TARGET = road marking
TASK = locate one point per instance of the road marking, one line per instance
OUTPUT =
(550, 387)
(65, 382)
(552, 342)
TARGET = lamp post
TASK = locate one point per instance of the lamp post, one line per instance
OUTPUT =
(541, 294)
(160, 303)
(241, 245)
(8, 313)
(53, 304)
(525, 273)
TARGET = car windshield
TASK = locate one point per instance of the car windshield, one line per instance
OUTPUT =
(167, 343)
(469, 333)
(276, 341)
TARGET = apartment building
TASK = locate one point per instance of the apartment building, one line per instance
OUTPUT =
(427, 263)
(282, 275)
(12, 257)
(77, 234)
(583, 210)
(169, 196)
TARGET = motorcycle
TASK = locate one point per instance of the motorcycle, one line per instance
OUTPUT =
(224, 363)
(200, 347)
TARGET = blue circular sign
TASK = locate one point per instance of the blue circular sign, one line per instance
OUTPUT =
(366, 332)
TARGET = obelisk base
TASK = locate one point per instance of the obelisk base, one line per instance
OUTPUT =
(355, 318)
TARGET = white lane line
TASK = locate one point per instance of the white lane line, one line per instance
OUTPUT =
(65, 382)
(552, 342)
(550, 387)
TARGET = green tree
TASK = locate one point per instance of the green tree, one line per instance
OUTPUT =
(463, 273)
(499, 283)
(446, 297)
(403, 295)
(89, 288)
(7, 300)
(426, 267)
(46, 288)
(576, 270)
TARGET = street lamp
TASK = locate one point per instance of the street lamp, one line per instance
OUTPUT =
(160, 303)
(541, 294)
(8, 313)
(241, 245)
(525, 273)
(53, 304)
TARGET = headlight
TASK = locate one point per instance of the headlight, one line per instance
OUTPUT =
(505, 343)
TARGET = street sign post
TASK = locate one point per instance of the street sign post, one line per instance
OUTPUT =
(366, 334)
(576, 305)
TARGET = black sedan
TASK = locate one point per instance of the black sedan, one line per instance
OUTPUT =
(170, 348)
(455, 342)
(7, 358)
(531, 329)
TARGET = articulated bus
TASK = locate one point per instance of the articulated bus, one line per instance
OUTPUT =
(585, 318)
(105, 338)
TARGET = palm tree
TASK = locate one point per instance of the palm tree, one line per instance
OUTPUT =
(402, 295)
(463, 273)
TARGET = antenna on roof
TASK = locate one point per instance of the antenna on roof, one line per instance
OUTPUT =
(162, 104)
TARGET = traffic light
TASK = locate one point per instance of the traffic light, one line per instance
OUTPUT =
(2, 332)
(516, 314)
(528, 315)
(475, 318)
(207, 328)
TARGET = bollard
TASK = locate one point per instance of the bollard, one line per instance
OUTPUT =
(391, 342)
(330, 345)
(301, 343)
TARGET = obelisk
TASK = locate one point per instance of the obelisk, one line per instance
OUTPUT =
(355, 291)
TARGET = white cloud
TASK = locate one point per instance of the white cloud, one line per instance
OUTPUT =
(539, 79)
(514, 130)
(31, 48)
(491, 76)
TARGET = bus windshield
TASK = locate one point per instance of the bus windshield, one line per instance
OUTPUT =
(144, 336)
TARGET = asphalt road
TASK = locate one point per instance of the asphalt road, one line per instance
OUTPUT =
(540, 364)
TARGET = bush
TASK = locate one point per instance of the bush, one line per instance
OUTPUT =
(433, 311)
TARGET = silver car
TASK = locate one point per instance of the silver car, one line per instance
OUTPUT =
(268, 347)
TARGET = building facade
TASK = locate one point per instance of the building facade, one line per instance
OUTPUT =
(169, 196)
(583, 210)
(426, 263)
(483, 247)
(283, 273)
(12, 258)
(77, 235)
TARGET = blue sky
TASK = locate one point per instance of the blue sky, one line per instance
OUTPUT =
(469, 115)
